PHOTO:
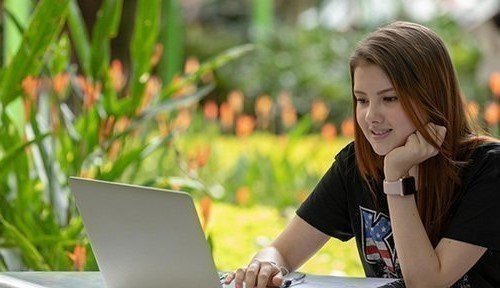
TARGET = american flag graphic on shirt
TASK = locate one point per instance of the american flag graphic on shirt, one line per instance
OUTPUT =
(377, 248)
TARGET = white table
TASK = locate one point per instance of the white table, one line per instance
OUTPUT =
(95, 280)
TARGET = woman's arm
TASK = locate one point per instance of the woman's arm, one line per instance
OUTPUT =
(421, 264)
(295, 245)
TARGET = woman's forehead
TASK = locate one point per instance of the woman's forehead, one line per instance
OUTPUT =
(370, 77)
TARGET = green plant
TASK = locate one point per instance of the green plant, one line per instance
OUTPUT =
(58, 121)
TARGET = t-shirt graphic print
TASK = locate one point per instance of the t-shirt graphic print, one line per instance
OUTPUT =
(377, 242)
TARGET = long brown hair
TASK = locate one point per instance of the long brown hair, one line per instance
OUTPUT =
(417, 62)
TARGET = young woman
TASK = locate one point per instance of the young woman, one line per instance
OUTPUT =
(418, 188)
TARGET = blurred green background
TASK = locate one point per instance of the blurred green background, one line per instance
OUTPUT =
(243, 104)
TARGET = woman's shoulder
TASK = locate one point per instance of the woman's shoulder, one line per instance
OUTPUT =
(485, 157)
(486, 150)
(346, 154)
(347, 151)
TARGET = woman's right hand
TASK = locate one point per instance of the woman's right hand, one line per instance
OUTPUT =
(258, 273)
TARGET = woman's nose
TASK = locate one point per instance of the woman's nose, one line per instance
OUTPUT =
(373, 113)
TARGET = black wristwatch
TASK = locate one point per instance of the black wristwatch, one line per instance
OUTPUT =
(402, 187)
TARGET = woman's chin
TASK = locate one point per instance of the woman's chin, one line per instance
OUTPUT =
(381, 151)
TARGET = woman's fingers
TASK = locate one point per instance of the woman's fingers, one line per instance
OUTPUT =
(438, 132)
(265, 275)
(251, 273)
(257, 274)
(427, 149)
(229, 278)
(277, 280)
(239, 276)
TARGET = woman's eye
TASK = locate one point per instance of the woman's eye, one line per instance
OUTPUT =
(391, 99)
(361, 101)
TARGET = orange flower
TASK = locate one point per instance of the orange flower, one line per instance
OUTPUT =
(91, 92)
(329, 131)
(27, 109)
(210, 110)
(117, 75)
(60, 83)
(495, 83)
(156, 57)
(206, 208)
(243, 195)
(263, 106)
(153, 86)
(114, 150)
(201, 156)
(235, 100)
(54, 118)
(492, 114)
(288, 111)
(319, 111)
(30, 87)
(263, 109)
(289, 116)
(226, 116)
(121, 124)
(79, 257)
(152, 90)
(245, 125)
(106, 128)
(192, 65)
(183, 120)
(348, 128)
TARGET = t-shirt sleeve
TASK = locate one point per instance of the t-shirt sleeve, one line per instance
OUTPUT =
(477, 218)
(326, 208)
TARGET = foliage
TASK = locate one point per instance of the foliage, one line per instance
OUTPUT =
(57, 123)
(312, 64)
(261, 169)
(239, 232)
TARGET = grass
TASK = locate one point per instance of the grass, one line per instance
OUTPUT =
(239, 232)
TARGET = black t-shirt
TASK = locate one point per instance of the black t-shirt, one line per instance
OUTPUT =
(341, 206)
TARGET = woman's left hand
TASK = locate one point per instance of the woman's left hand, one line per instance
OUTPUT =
(416, 150)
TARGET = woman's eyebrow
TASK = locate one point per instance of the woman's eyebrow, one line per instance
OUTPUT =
(379, 92)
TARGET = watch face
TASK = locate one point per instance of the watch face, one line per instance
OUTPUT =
(408, 184)
(402, 187)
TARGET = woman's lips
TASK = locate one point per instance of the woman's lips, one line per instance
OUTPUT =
(380, 134)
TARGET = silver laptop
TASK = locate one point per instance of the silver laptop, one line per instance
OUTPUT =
(144, 237)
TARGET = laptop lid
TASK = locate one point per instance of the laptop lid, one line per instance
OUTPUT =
(144, 237)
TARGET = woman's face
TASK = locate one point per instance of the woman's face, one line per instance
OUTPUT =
(378, 111)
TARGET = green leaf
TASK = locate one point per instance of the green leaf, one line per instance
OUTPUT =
(74, 229)
(171, 36)
(19, 26)
(10, 156)
(46, 23)
(213, 64)
(60, 57)
(163, 107)
(30, 254)
(110, 101)
(147, 24)
(132, 158)
(105, 28)
(79, 35)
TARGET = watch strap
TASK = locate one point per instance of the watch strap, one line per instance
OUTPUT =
(402, 187)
